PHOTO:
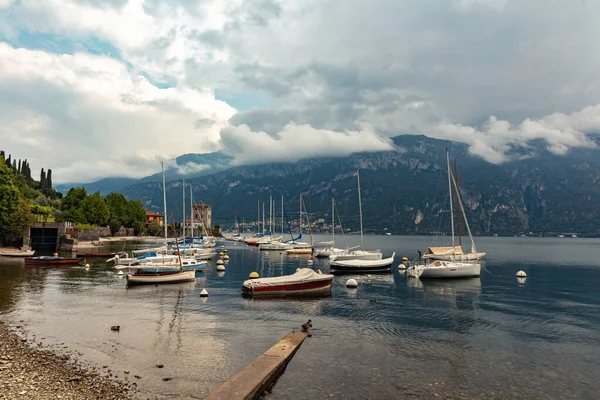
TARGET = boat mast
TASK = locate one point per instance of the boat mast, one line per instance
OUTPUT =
(271, 215)
(263, 220)
(258, 221)
(473, 248)
(183, 208)
(282, 217)
(362, 247)
(165, 201)
(300, 217)
(333, 220)
(191, 214)
(458, 207)
(450, 194)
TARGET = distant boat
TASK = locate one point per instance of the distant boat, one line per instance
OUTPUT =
(388, 234)
(17, 253)
(363, 266)
(304, 281)
(90, 254)
(53, 260)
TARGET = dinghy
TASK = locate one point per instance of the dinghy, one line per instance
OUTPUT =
(17, 253)
(52, 260)
(304, 281)
(362, 266)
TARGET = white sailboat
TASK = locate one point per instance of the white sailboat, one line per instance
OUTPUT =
(454, 267)
(361, 254)
(300, 247)
(331, 250)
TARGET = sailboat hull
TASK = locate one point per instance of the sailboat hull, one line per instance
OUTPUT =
(455, 257)
(357, 255)
(445, 270)
(362, 266)
(161, 277)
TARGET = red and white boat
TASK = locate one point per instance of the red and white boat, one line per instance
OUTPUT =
(305, 280)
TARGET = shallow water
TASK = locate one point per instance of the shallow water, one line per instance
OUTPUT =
(393, 337)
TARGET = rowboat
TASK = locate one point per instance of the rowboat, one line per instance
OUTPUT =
(362, 266)
(305, 280)
(140, 278)
(54, 260)
(17, 253)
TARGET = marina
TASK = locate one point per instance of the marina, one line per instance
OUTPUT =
(494, 336)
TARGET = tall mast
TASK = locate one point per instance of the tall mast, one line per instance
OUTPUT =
(333, 220)
(191, 213)
(282, 216)
(263, 220)
(458, 231)
(300, 217)
(362, 244)
(450, 195)
(183, 213)
(271, 215)
(473, 248)
(258, 221)
(165, 220)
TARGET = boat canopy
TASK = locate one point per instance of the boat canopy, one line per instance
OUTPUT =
(439, 251)
(302, 275)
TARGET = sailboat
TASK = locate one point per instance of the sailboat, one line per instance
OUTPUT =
(141, 276)
(361, 254)
(301, 247)
(455, 253)
(454, 267)
(331, 250)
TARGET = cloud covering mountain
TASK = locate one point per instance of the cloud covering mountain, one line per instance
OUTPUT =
(108, 88)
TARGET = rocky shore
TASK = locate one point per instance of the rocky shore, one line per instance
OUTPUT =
(27, 371)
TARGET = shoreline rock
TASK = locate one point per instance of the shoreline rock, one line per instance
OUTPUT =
(34, 373)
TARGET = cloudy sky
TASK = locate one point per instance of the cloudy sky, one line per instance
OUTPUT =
(96, 88)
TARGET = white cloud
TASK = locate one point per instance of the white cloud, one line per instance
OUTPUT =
(295, 142)
(85, 117)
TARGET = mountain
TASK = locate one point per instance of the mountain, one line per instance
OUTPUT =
(104, 186)
(406, 190)
(185, 166)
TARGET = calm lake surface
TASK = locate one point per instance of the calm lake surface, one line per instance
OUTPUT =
(393, 337)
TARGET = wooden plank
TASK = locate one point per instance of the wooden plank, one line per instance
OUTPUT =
(262, 373)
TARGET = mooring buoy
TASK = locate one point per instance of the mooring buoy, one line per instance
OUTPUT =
(351, 283)
(253, 275)
(203, 293)
(521, 274)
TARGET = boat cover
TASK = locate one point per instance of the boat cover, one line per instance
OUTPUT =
(302, 275)
(445, 250)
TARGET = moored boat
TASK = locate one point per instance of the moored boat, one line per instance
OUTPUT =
(305, 280)
(445, 269)
(55, 260)
(357, 255)
(362, 266)
(90, 254)
(17, 253)
(176, 276)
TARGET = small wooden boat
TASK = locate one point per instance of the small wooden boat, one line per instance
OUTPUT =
(17, 253)
(90, 254)
(305, 280)
(54, 260)
(140, 278)
(362, 266)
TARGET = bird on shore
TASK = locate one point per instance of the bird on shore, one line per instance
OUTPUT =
(306, 326)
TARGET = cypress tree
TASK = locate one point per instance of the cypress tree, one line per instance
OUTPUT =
(9, 162)
(19, 167)
(14, 166)
(42, 180)
(2, 156)
(49, 179)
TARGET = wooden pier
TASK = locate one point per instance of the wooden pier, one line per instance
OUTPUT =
(262, 373)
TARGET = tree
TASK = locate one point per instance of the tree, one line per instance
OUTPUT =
(154, 228)
(136, 215)
(15, 214)
(8, 162)
(117, 206)
(73, 199)
(49, 179)
(42, 181)
(114, 225)
(94, 210)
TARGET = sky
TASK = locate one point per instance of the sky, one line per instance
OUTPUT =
(101, 88)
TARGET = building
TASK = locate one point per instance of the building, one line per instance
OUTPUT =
(151, 216)
(202, 217)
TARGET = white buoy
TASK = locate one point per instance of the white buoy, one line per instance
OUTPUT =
(351, 283)
(521, 274)
(310, 262)
(221, 254)
(203, 293)
(220, 267)
(402, 266)
(87, 266)
(369, 277)
(120, 273)
(219, 262)
(226, 257)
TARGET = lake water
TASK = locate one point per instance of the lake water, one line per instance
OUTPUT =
(393, 337)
